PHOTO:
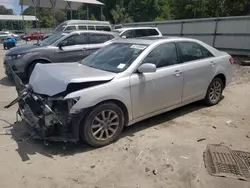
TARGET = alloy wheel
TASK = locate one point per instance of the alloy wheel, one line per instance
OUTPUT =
(105, 125)
(215, 92)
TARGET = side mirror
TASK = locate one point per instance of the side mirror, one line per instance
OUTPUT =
(124, 37)
(147, 68)
(62, 44)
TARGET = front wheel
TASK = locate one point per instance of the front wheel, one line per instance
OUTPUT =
(214, 92)
(103, 125)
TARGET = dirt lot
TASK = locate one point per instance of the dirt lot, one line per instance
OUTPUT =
(159, 152)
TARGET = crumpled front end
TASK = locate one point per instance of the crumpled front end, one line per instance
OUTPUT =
(50, 118)
(46, 117)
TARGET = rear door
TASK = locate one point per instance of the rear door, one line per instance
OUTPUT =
(96, 41)
(77, 48)
(198, 69)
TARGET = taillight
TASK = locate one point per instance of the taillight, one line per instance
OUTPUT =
(231, 60)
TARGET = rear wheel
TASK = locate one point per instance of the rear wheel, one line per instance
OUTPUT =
(214, 92)
(103, 125)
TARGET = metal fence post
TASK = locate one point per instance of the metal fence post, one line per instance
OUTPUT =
(215, 30)
(182, 23)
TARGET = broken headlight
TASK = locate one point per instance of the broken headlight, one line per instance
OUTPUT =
(72, 102)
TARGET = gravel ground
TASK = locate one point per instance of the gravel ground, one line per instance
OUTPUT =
(160, 152)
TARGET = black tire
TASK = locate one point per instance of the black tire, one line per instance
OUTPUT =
(86, 125)
(208, 99)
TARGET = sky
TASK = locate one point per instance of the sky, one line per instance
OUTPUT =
(13, 4)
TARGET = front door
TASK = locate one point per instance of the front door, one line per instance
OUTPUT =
(198, 69)
(151, 92)
(76, 49)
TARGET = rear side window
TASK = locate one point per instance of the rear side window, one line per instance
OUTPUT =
(82, 27)
(110, 37)
(103, 28)
(152, 32)
(206, 53)
(91, 27)
(141, 32)
(191, 51)
(98, 38)
(70, 28)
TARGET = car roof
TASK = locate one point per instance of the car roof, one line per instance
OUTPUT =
(134, 28)
(68, 22)
(144, 40)
(93, 31)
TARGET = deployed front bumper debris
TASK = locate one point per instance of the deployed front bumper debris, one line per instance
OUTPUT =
(47, 118)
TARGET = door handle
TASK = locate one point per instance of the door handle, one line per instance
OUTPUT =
(212, 64)
(177, 73)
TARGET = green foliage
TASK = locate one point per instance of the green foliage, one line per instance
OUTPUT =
(92, 17)
(124, 11)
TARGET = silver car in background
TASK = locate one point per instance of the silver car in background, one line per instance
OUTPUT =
(125, 82)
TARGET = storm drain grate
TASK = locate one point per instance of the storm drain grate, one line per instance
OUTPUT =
(224, 162)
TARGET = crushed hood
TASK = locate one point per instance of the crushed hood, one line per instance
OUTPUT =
(52, 79)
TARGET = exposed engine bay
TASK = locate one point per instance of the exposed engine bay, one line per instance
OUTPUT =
(47, 117)
(43, 104)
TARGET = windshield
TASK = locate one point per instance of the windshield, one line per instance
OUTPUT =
(116, 57)
(59, 28)
(53, 38)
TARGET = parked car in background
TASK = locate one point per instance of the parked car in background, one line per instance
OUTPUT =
(19, 35)
(62, 47)
(136, 32)
(33, 36)
(6, 34)
(72, 25)
(3, 36)
(118, 27)
(123, 83)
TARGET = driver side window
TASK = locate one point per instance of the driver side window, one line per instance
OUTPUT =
(163, 55)
(70, 41)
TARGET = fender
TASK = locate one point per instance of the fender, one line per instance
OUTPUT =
(92, 96)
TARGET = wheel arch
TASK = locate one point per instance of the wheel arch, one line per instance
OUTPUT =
(223, 78)
(121, 105)
(45, 60)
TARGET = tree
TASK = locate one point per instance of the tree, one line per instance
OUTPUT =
(4, 11)
(60, 16)
(120, 15)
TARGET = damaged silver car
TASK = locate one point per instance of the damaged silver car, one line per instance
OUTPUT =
(125, 82)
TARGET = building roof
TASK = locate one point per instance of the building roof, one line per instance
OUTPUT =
(59, 4)
(17, 18)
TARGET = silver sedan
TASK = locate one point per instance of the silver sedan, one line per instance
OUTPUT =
(127, 81)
